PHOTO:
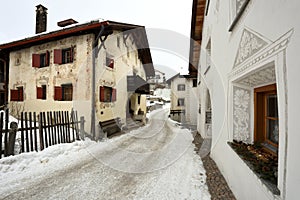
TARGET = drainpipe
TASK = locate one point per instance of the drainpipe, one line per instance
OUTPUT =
(93, 102)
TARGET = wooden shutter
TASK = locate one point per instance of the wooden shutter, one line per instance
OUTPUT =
(14, 95)
(39, 92)
(101, 97)
(47, 58)
(57, 56)
(114, 95)
(21, 93)
(36, 60)
(71, 54)
(57, 93)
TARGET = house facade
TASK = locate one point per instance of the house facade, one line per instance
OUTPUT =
(248, 69)
(183, 93)
(85, 67)
(158, 80)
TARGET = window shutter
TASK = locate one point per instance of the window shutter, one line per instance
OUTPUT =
(57, 56)
(36, 61)
(47, 58)
(39, 92)
(101, 94)
(21, 94)
(14, 95)
(114, 95)
(111, 63)
(72, 54)
(57, 93)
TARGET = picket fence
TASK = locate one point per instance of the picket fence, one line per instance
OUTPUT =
(35, 132)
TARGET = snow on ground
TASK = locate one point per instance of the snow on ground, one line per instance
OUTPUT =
(157, 161)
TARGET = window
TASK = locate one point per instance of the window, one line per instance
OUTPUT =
(109, 61)
(181, 87)
(41, 92)
(40, 60)
(139, 100)
(194, 82)
(118, 42)
(180, 102)
(17, 95)
(266, 117)
(63, 92)
(107, 94)
(63, 56)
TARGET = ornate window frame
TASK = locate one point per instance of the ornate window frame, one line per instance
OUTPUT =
(267, 60)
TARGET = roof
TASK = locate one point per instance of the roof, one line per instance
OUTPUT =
(90, 27)
(172, 78)
(198, 12)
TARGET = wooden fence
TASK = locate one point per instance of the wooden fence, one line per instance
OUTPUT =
(38, 131)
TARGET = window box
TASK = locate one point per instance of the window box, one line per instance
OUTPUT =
(261, 162)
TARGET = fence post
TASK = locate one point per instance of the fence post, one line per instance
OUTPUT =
(41, 132)
(12, 138)
(82, 133)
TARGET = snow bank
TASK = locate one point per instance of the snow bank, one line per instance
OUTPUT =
(160, 156)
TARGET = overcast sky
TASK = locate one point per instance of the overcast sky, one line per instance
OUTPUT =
(18, 20)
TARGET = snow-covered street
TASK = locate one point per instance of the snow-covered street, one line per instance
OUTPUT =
(156, 161)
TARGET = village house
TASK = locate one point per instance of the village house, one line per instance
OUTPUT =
(183, 97)
(248, 73)
(99, 68)
(158, 80)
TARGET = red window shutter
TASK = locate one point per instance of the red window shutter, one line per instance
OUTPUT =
(39, 92)
(72, 54)
(101, 94)
(114, 95)
(111, 63)
(21, 94)
(47, 58)
(57, 93)
(14, 95)
(36, 61)
(57, 56)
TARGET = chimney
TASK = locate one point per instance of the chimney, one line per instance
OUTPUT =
(41, 19)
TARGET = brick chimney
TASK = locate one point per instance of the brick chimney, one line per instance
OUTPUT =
(41, 19)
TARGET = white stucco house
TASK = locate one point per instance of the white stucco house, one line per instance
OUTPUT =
(248, 69)
(99, 68)
(158, 80)
(183, 97)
